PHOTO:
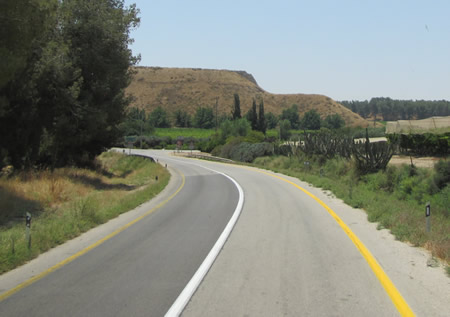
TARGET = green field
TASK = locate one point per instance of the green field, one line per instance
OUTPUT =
(196, 132)
(184, 132)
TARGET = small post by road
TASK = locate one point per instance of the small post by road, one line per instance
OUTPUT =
(306, 163)
(27, 229)
(427, 216)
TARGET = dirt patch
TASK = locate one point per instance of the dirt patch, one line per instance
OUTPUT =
(417, 161)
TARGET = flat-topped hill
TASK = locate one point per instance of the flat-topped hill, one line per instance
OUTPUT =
(189, 88)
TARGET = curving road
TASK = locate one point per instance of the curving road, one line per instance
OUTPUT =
(141, 270)
(288, 255)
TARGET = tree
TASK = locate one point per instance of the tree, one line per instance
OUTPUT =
(374, 109)
(182, 119)
(204, 118)
(271, 120)
(334, 121)
(62, 97)
(236, 113)
(262, 125)
(285, 129)
(291, 114)
(24, 26)
(136, 123)
(159, 118)
(311, 120)
(252, 116)
(98, 35)
(26, 29)
(241, 127)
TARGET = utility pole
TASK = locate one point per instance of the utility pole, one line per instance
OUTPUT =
(142, 116)
(217, 100)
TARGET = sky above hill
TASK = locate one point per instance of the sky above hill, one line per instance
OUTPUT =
(346, 49)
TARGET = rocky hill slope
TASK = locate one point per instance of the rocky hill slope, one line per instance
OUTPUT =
(189, 88)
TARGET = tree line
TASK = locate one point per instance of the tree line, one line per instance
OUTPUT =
(65, 65)
(205, 118)
(392, 109)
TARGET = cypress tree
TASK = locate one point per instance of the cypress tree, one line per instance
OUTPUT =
(236, 113)
(262, 125)
(253, 116)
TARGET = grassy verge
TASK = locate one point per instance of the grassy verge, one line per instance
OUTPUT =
(184, 132)
(197, 133)
(69, 201)
(394, 198)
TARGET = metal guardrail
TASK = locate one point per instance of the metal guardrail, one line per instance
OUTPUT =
(209, 157)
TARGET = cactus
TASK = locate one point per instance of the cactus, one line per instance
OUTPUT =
(327, 144)
(371, 157)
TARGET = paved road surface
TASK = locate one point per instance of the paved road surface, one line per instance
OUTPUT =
(287, 256)
(142, 270)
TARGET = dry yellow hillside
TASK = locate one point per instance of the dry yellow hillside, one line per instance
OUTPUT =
(189, 88)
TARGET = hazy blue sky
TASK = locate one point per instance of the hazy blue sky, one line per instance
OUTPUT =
(345, 49)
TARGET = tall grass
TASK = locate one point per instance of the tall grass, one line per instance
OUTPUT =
(69, 201)
(394, 198)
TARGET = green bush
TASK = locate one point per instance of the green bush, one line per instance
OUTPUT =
(254, 137)
(422, 144)
(238, 150)
(442, 174)
(247, 152)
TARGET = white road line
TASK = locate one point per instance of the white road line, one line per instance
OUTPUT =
(182, 300)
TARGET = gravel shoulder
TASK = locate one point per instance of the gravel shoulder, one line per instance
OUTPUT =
(421, 280)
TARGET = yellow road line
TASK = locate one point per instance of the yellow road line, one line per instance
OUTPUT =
(87, 249)
(399, 302)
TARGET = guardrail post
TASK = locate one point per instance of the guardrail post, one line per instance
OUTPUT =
(427, 216)
(27, 230)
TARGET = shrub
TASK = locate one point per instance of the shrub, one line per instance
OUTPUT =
(442, 174)
(254, 137)
(285, 129)
(423, 144)
(238, 150)
(247, 152)
(283, 149)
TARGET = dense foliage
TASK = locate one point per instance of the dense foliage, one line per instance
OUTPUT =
(136, 123)
(327, 144)
(392, 109)
(291, 114)
(204, 118)
(252, 116)
(182, 119)
(236, 113)
(67, 64)
(422, 144)
(311, 120)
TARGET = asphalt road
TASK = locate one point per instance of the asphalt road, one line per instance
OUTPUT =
(286, 256)
(142, 270)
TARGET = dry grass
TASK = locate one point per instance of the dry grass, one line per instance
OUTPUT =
(187, 89)
(68, 201)
(38, 191)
